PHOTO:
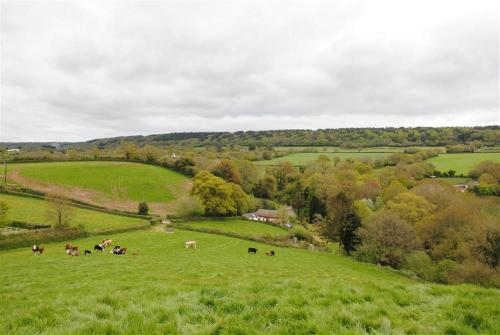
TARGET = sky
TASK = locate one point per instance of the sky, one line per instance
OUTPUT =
(79, 70)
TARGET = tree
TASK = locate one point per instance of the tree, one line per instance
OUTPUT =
(129, 150)
(143, 208)
(217, 196)
(393, 189)
(410, 207)
(228, 171)
(387, 238)
(266, 187)
(59, 211)
(349, 237)
(489, 250)
(341, 223)
(4, 211)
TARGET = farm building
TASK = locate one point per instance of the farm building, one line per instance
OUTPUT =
(271, 215)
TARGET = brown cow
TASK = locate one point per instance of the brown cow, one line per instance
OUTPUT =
(71, 250)
(107, 242)
(37, 250)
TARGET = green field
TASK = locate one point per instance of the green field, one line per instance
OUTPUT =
(242, 227)
(140, 182)
(336, 149)
(454, 180)
(304, 158)
(462, 163)
(35, 211)
(221, 289)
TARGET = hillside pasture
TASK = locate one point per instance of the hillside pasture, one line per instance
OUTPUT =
(304, 158)
(119, 185)
(246, 228)
(462, 163)
(35, 211)
(160, 287)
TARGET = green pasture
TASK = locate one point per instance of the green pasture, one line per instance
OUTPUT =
(35, 211)
(140, 182)
(454, 180)
(238, 226)
(321, 149)
(160, 287)
(304, 158)
(462, 163)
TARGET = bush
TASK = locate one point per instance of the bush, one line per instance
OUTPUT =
(302, 234)
(421, 264)
(143, 208)
(474, 272)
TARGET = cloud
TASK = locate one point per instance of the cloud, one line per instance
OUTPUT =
(81, 70)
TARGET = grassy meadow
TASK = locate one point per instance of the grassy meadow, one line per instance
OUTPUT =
(35, 211)
(237, 226)
(161, 287)
(139, 182)
(304, 158)
(462, 163)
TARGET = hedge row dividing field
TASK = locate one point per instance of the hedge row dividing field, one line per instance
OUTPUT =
(160, 287)
(35, 211)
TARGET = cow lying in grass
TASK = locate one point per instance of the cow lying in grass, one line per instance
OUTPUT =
(99, 247)
(252, 250)
(71, 250)
(37, 250)
(270, 253)
(117, 250)
(87, 252)
(191, 244)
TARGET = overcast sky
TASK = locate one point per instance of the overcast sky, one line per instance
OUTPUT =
(80, 70)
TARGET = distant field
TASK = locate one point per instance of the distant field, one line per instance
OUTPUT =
(35, 211)
(454, 181)
(138, 182)
(220, 289)
(242, 227)
(336, 149)
(462, 163)
(304, 158)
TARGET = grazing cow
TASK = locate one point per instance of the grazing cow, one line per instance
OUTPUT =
(120, 251)
(191, 244)
(37, 250)
(87, 252)
(99, 247)
(252, 251)
(270, 253)
(106, 243)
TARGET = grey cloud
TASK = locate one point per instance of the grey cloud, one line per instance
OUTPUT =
(81, 70)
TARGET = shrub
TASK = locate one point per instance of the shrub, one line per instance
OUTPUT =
(143, 208)
(421, 264)
(474, 272)
(302, 234)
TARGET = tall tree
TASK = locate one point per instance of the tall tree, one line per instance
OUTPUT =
(59, 211)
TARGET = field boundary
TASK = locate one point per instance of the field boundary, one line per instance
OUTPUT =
(29, 193)
(260, 239)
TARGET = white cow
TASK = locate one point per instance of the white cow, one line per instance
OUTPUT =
(191, 244)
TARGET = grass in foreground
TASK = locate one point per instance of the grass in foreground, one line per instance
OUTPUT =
(238, 226)
(34, 211)
(139, 182)
(220, 289)
(304, 158)
(462, 163)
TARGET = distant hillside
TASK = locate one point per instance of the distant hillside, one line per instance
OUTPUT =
(347, 137)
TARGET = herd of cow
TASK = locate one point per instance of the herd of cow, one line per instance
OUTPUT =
(73, 250)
